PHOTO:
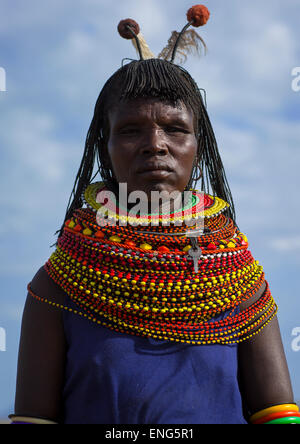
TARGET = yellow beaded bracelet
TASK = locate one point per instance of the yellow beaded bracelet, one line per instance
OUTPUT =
(31, 420)
(274, 409)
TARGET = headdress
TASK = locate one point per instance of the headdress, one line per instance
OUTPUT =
(180, 43)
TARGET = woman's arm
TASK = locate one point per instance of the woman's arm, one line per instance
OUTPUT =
(42, 353)
(264, 374)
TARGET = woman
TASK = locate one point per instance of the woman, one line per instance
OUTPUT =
(152, 327)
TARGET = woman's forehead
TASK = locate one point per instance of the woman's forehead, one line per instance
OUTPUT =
(152, 107)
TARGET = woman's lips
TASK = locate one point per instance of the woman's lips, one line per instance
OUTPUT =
(156, 173)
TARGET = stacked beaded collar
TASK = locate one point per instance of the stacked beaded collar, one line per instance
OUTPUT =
(141, 280)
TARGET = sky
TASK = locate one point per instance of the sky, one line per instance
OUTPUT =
(55, 57)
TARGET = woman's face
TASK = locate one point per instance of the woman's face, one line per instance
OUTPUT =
(152, 145)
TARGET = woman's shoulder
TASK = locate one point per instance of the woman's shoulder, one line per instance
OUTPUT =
(45, 288)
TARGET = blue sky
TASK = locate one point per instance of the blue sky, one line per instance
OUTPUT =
(57, 56)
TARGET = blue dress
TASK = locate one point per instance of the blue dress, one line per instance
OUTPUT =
(115, 378)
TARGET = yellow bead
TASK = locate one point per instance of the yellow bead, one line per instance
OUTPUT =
(145, 247)
(115, 239)
(187, 248)
(87, 232)
(231, 245)
(244, 237)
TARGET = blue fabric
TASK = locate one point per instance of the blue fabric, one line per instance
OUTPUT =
(115, 378)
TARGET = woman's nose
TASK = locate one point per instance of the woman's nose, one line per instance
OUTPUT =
(154, 142)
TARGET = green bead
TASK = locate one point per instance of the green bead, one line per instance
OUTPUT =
(288, 420)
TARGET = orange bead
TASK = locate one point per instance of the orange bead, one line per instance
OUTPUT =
(163, 249)
(130, 244)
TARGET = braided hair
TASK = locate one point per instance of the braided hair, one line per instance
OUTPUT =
(151, 78)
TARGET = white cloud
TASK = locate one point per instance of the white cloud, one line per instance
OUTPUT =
(11, 311)
(33, 149)
(35, 173)
(286, 244)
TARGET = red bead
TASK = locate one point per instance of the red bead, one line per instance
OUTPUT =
(211, 246)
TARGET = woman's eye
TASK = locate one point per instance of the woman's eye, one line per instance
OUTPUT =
(174, 129)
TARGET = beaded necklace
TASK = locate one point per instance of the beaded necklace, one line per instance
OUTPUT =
(141, 280)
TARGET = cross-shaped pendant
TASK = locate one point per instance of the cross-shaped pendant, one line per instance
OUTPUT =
(195, 252)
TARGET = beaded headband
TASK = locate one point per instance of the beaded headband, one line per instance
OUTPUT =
(181, 43)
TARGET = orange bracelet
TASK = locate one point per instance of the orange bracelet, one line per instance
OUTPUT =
(274, 409)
